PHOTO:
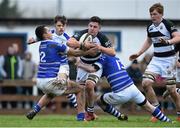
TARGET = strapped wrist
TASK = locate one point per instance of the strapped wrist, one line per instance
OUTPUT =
(168, 42)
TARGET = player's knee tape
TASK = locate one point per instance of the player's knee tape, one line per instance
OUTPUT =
(51, 95)
(171, 81)
(93, 78)
(143, 103)
(106, 105)
(149, 75)
(102, 100)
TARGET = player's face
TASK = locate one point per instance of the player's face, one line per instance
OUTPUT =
(60, 28)
(93, 28)
(156, 17)
(48, 33)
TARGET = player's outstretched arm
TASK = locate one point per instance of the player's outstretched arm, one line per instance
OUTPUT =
(110, 50)
(77, 52)
(86, 67)
(145, 46)
(31, 40)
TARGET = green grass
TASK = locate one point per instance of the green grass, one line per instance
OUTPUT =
(69, 121)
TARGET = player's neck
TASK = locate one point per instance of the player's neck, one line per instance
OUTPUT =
(158, 22)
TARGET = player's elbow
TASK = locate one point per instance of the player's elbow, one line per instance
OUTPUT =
(113, 53)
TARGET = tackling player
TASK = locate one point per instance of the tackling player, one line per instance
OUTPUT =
(123, 88)
(59, 35)
(50, 78)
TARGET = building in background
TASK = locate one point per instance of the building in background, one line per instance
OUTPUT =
(123, 20)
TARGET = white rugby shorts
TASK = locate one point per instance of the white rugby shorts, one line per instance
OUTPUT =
(64, 69)
(45, 84)
(164, 66)
(178, 74)
(130, 93)
(82, 75)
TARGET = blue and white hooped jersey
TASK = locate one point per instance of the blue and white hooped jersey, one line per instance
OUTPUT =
(50, 59)
(62, 39)
(115, 73)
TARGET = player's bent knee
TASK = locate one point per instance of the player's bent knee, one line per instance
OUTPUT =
(101, 102)
(172, 91)
(89, 84)
(170, 81)
(50, 95)
(143, 103)
(148, 79)
(92, 78)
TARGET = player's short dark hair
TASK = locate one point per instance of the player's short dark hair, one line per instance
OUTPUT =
(95, 19)
(62, 19)
(157, 6)
(40, 30)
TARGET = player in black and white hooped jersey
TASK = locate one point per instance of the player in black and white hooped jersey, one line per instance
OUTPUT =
(90, 79)
(162, 34)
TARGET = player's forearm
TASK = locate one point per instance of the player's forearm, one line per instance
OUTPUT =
(31, 40)
(175, 39)
(110, 51)
(76, 53)
(87, 68)
(145, 46)
(73, 43)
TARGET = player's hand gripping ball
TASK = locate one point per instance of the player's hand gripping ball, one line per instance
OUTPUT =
(84, 40)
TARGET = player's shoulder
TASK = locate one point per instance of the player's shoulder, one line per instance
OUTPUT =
(149, 25)
(104, 40)
(167, 22)
(50, 43)
(78, 34)
(66, 36)
(101, 36)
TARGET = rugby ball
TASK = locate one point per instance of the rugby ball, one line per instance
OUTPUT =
(86, 38)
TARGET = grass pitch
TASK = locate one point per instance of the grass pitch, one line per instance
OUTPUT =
(70, 121)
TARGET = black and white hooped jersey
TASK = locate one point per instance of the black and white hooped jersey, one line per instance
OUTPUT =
(163, 30)
(99, 39)
(50, 59)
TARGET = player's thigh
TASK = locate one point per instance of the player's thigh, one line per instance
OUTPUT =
(73, 87)
(178, 74)
(136, 95)
(154, 66)
(64, 69)
(43, 82)
(48, 87)
(168, 68)
(117, 98)
(82, 75)
(95, 76)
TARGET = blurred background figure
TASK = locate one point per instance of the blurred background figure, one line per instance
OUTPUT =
(135, 73)
(11, 69)
(29, 73)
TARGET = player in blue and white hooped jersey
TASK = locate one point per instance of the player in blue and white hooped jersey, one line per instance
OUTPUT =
(123, 89)
(59, 35)
(50, 78)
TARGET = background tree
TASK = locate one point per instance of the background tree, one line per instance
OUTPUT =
(9, 11)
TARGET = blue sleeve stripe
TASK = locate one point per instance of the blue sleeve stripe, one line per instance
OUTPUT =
(66, 36)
